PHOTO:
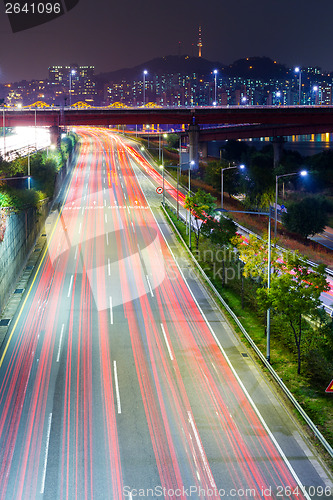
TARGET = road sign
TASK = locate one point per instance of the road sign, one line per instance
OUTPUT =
(159, 190)
(330, 387)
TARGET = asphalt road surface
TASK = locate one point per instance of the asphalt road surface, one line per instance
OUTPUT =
(119, 376)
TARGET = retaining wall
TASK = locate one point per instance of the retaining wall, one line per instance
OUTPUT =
(21, 232)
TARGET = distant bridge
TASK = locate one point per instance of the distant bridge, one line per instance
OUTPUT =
(269, 120)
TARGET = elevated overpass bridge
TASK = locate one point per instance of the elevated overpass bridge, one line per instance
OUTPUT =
(230, 122)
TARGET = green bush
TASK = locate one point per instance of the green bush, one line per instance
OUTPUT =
(18, 199)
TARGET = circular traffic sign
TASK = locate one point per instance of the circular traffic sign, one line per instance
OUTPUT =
(159, 190)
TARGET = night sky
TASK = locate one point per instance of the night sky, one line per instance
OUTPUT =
(114, 34)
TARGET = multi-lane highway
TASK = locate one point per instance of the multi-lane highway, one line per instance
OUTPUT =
(119, 378)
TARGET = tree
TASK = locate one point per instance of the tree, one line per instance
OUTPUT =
(173, 141)
(219, 231)
(254, 255)
(261, 183)
(231, 177)
(306, 217)
(201, 206)
(237, 151)
(295, 294)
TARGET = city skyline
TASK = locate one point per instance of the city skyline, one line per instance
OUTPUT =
(112, 37)
(176, 81)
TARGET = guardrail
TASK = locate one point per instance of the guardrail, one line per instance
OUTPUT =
(276, 377)
(13, 154)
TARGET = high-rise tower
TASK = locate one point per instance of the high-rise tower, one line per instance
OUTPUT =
(199, 41)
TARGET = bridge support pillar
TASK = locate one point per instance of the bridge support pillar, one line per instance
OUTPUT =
(278, 149)
(203, 148)
(193, 137)
(55, 135)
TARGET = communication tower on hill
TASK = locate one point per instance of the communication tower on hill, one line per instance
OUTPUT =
(199, 41)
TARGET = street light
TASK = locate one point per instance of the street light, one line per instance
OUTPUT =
(299, 71)
(160, 146)
(72, 73)
(163, 199)
(222, 170)
(303, 173)
(215, 82)
(145, 72)
(51, 147)
(268, 316)
(4, 133)
(315, 91)
(29, 173)
(192, 163)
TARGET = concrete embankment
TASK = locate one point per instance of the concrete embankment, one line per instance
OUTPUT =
(20, 235)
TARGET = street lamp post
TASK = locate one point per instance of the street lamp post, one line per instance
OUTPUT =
(161, 145)
(215, 82)
(222, 170)
(299, 71)
(72, 73)
(179, 172)
(277, 97)
(269, 257)
(145, 72)
(268, 320)
(29, 180)
(303, 173)
(315, 91)
(192, 163)
(4, 133)
(35, 128)
(163, 198)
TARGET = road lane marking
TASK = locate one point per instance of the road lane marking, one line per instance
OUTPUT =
(133, 227)
(150, 288)
(117, 386)
(60, 341)
(167, 342)
(70, 286)
(109, 267)
(80, 227)
(76, 250)
(107, 238)
(82, 210)
(202, 453)
(46, 453)
(106, 218)
(111, 310)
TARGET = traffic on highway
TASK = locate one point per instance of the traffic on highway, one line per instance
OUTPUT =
(120, 377)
